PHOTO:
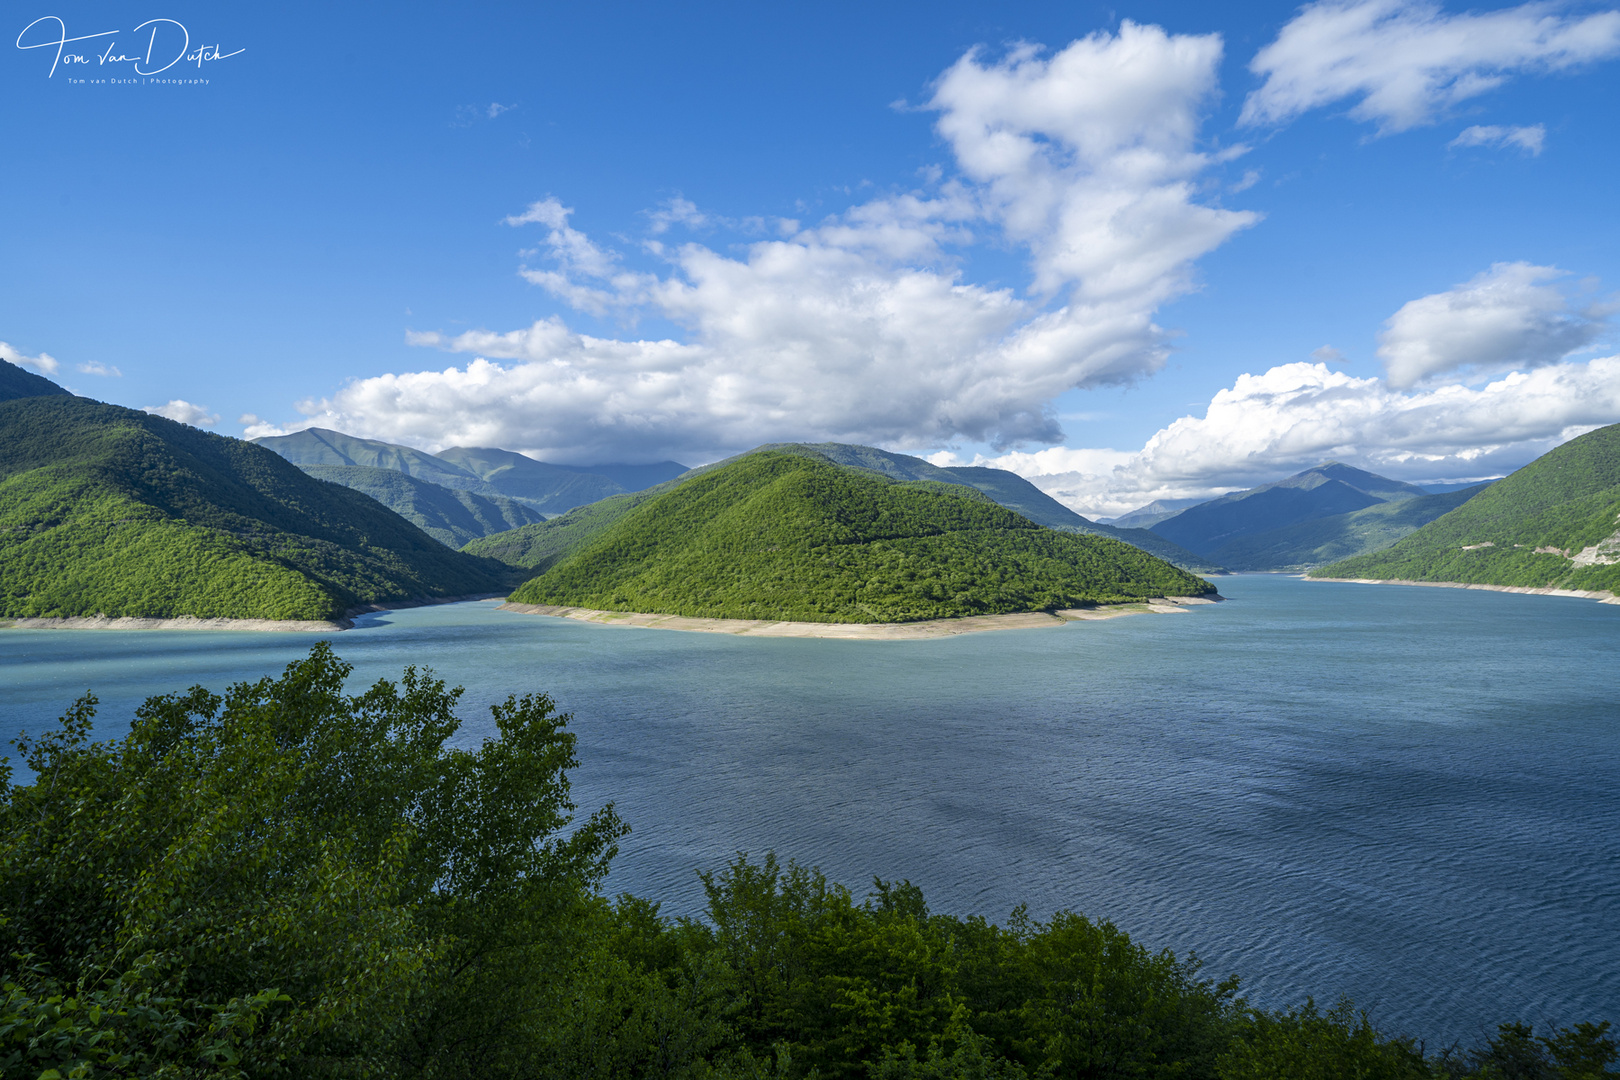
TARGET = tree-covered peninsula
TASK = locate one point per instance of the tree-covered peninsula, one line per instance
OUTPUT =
(292, 881)
(793, 536)
(111, 511)
(1553, 524)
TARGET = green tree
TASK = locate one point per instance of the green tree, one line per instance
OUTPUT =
(289, 880)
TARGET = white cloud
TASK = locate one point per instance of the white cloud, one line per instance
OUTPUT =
(1408, 62)
(496, 108)
(677, 211)
(1507, 317)
(1529, 139)
(95, 367)
(1294, 416)
(1327, 354)
(255, 428)
(184, 412)
(44, 363)
(862, 327)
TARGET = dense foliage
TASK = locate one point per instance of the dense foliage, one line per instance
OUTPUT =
(288, 881)
(1328, 539)
(539, 547)
(1522, 530)
(791, 536)
(449, 516)
(106, 510)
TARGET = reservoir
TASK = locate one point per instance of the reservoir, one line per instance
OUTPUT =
(1408, 796)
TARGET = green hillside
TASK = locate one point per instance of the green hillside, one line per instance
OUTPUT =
(538, 547)
(1007, 488)
(1554, 523)
(450, 517)
(106, 510)
(1324, 540)
(792, 536)
(16, 382)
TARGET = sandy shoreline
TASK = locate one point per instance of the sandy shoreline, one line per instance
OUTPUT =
(192, 622)
(1586, 594)
(934, 628)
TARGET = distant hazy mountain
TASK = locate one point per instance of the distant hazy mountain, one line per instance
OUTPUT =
(16, 382)
(451, 517)
(1554, 523)
(107, 510)
(1145, 517)
(774, 535)
(1323, 540)
(322, 446)
(550, 489)
(1325, 491)
(555, 489)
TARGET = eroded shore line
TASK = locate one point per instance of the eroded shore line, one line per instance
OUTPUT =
(1600, 595)
(192, 622)
(933, 628)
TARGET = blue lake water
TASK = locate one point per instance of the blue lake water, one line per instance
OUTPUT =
(1410, 796)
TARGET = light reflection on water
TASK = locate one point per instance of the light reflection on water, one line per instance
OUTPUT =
(1405, 795)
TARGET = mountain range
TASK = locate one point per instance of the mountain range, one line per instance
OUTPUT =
(499, 476)
(1325, 513)
(1553, 524)
(112, 511)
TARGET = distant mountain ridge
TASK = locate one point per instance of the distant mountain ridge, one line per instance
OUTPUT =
(493, 474)
(1323, 513)
(1553, 524)
(450, 516)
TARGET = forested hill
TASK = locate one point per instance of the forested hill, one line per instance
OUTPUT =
(15, 382)
(107, 510)
(796, 537)
(1554, 523)
(1007, 488)
(538, 547)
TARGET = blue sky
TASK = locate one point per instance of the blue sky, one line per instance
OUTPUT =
(1098, 245)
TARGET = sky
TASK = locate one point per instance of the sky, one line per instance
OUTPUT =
(1155, 251)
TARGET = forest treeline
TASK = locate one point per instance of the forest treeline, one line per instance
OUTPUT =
(289, 881)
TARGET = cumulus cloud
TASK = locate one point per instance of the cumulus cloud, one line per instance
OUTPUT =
(1327, 354)
(97, 368)
(184, 412)
(862, 327)
(1406, 63)
(1508, 317)
(44, 363)
(255, 428)
(1528, 139)
(1294, 416)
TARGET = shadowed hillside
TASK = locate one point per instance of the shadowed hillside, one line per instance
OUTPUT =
(106, 510)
